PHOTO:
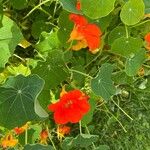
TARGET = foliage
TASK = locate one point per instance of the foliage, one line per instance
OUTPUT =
(38, 60)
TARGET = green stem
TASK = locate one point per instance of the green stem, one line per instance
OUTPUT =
(127, 33)
(36, 7)
(26, 136)
(90, 134)
(80, 127)
(50, 138)
(122, 110)
(84, 74)
(140, 23)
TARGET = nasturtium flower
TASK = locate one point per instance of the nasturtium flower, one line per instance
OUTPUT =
(86, 34)
(78, 5)
(19, 130)
(9, 141)
(71, 107)
(147, 40)
(43, 136)
(62, 130)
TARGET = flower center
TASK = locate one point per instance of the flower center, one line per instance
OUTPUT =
(68, 104)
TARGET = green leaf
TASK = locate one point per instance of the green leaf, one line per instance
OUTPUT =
(116, 33)
(147, 6)
(10, 37)
(38, 27)
(97, 9)
(48, 42)
(17, 97)
(1, 14)
(19, 4)
(133, 64)
(37, 147)
(126, 46)
(82, 140)
(70, 6)
(89, 116)
(132, 12)
(102, 147)
(53, 71)
(66, 26)
(102, 84)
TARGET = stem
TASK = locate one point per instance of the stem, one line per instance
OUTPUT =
(127, 33)
(80, 127)
(140, 23)
(90, 134)
(19, 57)
(26, 136)
(50, 138)
(36, 7)
(84, 74)
(122, 110)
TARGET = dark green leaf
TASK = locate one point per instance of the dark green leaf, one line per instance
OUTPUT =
(38, 147)
(102, 84)
(17, 97)
(133, 64)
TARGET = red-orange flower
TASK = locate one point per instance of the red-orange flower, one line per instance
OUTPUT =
(86, 34)
(71, 107)
(19, 130)
(43, 137)
(147, 39)
(62, 130)
(78, 5)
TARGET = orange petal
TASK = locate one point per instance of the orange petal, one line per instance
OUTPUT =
(78, 20)
(80, 44)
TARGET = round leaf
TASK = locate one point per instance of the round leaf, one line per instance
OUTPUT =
(17, 98)
(132, 12)
(97, 9)
(126, 46)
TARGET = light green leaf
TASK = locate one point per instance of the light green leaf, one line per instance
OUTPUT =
(97, 9)
(48, 42)
(10, 37)
(132, 12)
(102, 84)
(17, 97)
(126, 47)
(133, 64)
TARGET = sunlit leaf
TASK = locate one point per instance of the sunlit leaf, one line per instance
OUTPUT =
(97, 9)
(132, 12)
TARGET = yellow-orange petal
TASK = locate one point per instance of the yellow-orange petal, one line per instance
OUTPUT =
(80, 44)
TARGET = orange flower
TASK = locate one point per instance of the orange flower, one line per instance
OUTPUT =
(86, 34)
(71, 107)
(43, 137)
(78, 5)
(62, 130)
(9, 141)
(19, 130)
(147, 39)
